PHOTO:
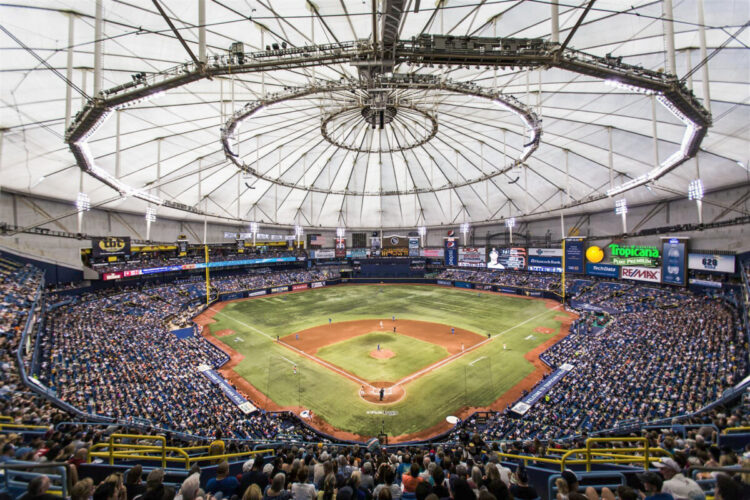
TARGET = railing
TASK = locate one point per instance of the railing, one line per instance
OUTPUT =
(17, 474)
(730, 430)
(158, 452)
(611, 455)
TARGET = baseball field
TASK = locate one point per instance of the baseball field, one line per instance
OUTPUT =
(395, 358)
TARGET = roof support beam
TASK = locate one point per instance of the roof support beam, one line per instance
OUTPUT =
(98, 49)
(576, 26)
(667, 20)
(176, 33)
(554, 20)
(202, 31)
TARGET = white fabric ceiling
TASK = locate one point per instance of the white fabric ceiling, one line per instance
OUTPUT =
(171, 145)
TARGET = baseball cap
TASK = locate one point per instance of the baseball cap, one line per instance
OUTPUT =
(268, 468)
(651, 477)
(668, 463)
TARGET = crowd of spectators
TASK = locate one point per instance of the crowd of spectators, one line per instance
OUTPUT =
(521, 279)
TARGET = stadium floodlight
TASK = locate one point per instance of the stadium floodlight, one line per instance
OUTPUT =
(510, 223)
(464, 229)
(254, 228)
(83, 203)
(621, 207)
(341, 233)
(695, 190)
(299, 231)
(150, 214)
(422, 231)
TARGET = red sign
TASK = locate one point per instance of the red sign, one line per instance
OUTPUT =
(111, 276)
(133, 272)
(299, 287)
(638, 273)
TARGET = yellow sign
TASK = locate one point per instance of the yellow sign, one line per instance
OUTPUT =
(594, 254)
(112, 244)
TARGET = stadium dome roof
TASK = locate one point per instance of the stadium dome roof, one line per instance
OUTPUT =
(341, 155)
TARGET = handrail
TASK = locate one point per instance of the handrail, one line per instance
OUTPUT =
(743, 428)
(5, 418)
(23, 466)
(4, 426)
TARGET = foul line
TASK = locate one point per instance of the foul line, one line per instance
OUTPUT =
(526, 321)
(242, 323)
(442, 363)
(327, 365)
(478, 359)
(288, 360)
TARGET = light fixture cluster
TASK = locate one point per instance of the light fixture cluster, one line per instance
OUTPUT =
(341, 232)
(621, 207)
(299, 231)
(695, 190)
(422, 231)
(254, 227)
(631, 88)
(83, 203)
(150, 214)
(135, 102)
(511, 222)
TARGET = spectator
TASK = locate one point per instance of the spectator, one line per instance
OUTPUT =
(679, 486)
(133, 484)
(223, 482)
(652, 483)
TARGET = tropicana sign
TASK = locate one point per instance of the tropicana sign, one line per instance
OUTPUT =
(634, 255)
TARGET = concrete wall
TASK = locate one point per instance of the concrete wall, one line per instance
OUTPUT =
(25, 210)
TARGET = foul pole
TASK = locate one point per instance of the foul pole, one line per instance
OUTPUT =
(208, 285)
(563, 271)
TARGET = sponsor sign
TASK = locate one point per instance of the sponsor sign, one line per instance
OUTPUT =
(711, 284)
(317, 284)
(232, 296)
(469, 254)
(299, 287)
(637, 273)
(256, 294)
(324, 254)
(451, 252)
(413, 247)
(633, 255)
(505, 289)
(574, 256)
(432, 252)
(111, 276)
(357, 253)
(545, 252)
(395, 240)
(243, 404)
(711, 262)
(540, 390)
(394, 252)
(471, 264)
(485, 287)
(444, 283)
(507, 258)
(544, 269)
(113, 245)
(280, 289)
(674, 262)
(340, 250)
(545, 261)
(532, 293)
(604, 270)
(131, 272)
(462, 284)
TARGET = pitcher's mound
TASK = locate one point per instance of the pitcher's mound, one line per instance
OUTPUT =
(382, 354)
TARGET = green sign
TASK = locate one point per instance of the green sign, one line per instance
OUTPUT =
(634, 255)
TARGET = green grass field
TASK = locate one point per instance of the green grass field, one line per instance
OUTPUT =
(353, 355)
(475, 379)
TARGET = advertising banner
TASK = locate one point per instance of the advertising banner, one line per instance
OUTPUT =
(243, 404)
(302, 286)
(113, 245)
(111, 276)
(395, 241)
(638, 273)
(232, 296)
(432, 252)
(317, 284)
(375, 245)
(604, 270)
(357, 253)
(394, 252)
(545, 252)
(507, 258)
(574, 256)
(256, 294)
(131, 272)
(325, 254)
(710, 284)
(634, 255)
(471, 264)
(507, 289)
(544, 269)
(545, 261)
(541, 389)
(451, 252)
(462, 284)
(444, 283)
(472, 255)
(413, 247)
(340, 248)
(711, 262)
(280, 289)
(674, 261)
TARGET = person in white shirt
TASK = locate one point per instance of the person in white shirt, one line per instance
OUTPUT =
(681, 487)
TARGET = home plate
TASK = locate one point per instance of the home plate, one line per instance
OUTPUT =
(451, 419)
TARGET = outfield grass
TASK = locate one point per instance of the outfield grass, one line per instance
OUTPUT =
(475, 379)
(353, 355)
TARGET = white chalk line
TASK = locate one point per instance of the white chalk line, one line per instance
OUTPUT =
(242, 323)
(478, 359)
(327, 364)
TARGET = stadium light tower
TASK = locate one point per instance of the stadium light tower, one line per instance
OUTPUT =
(150, 217)
(83, 204)
(254, 229)
(621, 208)
(695, 192)
(464, 228)
(510, 224)
(422, 232)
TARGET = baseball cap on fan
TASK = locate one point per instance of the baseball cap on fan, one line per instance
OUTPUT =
(668, 463)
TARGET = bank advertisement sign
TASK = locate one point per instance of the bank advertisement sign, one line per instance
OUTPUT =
(574, 256)
(711, 262)
(639, 273)
(674, 261)
(603, 270)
